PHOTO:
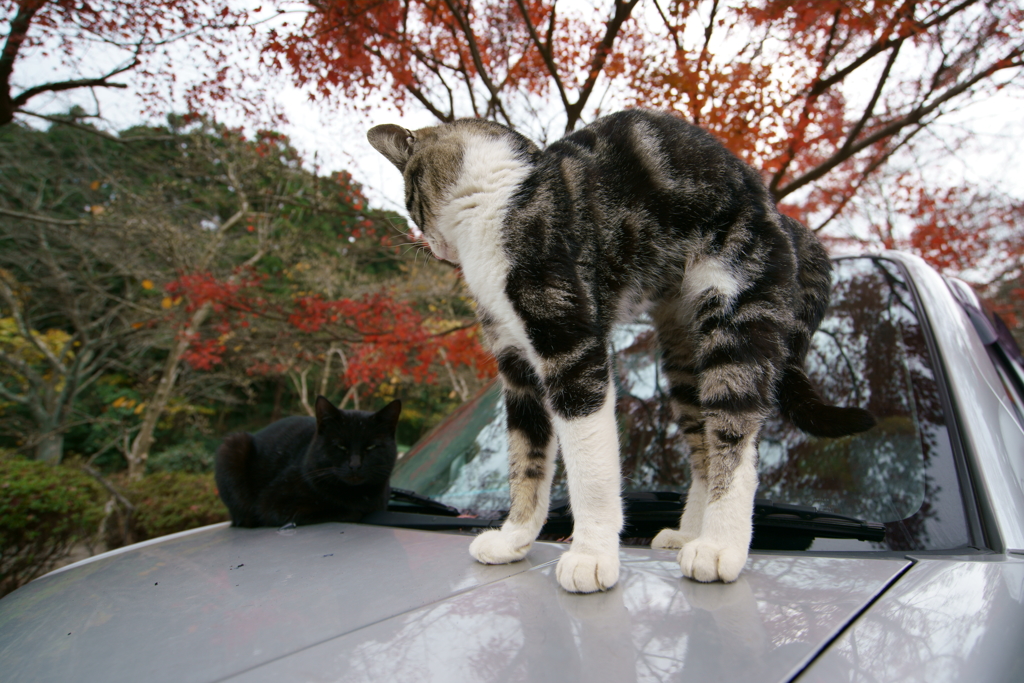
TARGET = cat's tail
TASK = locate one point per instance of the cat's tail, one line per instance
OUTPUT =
(805, 408)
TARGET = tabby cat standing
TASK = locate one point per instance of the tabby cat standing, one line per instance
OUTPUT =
(638, 212)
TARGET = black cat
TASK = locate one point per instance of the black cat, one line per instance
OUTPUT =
(304, 470)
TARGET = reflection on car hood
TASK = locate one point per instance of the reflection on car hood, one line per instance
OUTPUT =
(352, 602)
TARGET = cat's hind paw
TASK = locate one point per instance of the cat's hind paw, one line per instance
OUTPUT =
(583, 572)
(670, 539)
(498, 547)
(706, 561)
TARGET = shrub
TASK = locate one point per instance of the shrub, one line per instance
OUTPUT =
(195, 457)
(44, 511)
(168, 502)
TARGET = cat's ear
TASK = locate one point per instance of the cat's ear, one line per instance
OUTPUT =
(394, 142)
(388, 415)
(325, 410)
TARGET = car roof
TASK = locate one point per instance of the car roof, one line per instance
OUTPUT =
(357, 602)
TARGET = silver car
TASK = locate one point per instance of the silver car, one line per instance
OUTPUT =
(893, 555)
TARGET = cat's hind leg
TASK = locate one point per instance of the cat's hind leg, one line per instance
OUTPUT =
(738, 332)
(677, 364)
(531, 452)
(730, 481)
(231, 472)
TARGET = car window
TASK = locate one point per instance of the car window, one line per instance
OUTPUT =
(1009, 363)
(870, 351)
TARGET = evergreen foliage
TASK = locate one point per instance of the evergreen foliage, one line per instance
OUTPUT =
(169, 502)
(44, 511)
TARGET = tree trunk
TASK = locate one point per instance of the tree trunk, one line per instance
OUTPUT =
(275, 413)
(156, 405)
(51, 448)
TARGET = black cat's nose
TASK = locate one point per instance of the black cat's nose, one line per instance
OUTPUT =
(355, 461)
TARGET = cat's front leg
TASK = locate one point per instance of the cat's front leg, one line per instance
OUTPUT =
(590, 449)
(531, 454)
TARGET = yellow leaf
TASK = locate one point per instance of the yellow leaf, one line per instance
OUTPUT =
(95, 185)
(147, 284)
(140, 408)
(167, 303)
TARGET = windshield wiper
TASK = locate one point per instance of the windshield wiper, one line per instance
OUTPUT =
(810, 520)
(403, 500)
(776, 525)
(410, 510)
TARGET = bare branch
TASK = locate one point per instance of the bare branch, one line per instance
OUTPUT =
(58, 86)
(878, 48)
(41, 219)
(866, 174)
(109, 487)
(870, 108)
(474, 48)
(545, 50)
(623, 9)
(6, 393)
(28, 334)
(64, 121)
(672, 30)
(913, 117)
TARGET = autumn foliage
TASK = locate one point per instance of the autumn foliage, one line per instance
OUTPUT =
(381, 336)
(140, 34)
(271, 272)
(833, 101)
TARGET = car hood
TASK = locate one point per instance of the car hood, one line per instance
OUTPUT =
(348, 602)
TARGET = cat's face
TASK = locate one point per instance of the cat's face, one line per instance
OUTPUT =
(353, 446)
(431, 160)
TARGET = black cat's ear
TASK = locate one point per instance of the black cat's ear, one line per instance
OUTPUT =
(394, 142)
(325, 410)
(388, 415)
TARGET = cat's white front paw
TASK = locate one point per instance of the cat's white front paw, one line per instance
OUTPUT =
(670, 538)
(585, 572)
(706, 561)
(499, 547)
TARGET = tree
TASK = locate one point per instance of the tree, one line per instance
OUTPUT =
(46, 371)
(68, 280)
(173, 263)
(832, 101)
(93, 226)
(137, 34)
(234, 212)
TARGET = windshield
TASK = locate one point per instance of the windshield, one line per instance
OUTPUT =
(870, 351)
